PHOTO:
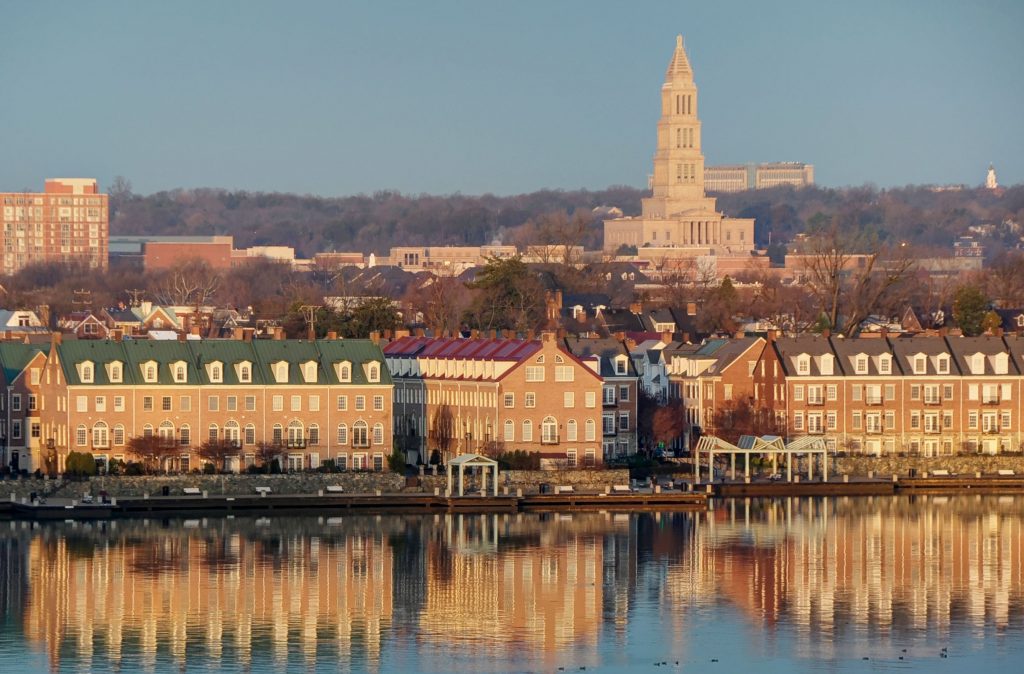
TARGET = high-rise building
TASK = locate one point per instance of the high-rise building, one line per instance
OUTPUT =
(67, 222)
(678, 214)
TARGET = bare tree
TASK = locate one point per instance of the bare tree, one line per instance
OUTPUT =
(218, 452)
(151, 450)
(442, 431)
(193, 284)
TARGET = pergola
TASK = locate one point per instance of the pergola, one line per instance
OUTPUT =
(768, 444)
(472, 461)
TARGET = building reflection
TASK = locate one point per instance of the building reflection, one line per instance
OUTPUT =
(535, 590)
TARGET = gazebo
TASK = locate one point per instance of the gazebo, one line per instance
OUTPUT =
(472, 461)
(772, 445)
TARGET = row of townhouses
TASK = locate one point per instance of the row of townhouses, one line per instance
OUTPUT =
(347, 401)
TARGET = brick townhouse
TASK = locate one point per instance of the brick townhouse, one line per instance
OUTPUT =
(21, 367)
(314, 400)
(921, 395)
(611, 359)
(496, 395)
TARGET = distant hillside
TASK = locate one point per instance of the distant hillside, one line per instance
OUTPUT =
(374, 223)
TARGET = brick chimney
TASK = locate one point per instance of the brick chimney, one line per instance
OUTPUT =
(636, 307)
(619, 336)
(691, 308)
(666, 337)
(375, 337)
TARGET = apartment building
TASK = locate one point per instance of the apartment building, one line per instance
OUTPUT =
(490, 396)
(918, 395)
(67, 222)
(314, 401)
(619, 394)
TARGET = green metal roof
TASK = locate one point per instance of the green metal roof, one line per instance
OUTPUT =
(14, 356)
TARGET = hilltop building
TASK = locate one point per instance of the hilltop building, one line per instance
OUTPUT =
(67, 222)
(990, 179)
(679, 215)
(740, 177)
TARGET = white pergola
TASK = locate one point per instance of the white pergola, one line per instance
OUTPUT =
(472, 461)
(772, 445)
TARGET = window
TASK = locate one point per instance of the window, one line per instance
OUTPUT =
(527, 431)
(232, 403)
(180, 373)
(830, 421)
(147, 431)
(118, 435)
(798, 392)
(621, 365)
(568, 400)
(831, 392)
(564, 373)
(534, 373)
(856, 421)
(213, 403)
(570, 430)
(147, 403)
(149, 373)
(296, 436)
(373, 373)
(185, 435)
(623, 421)
(250, 403)
(608, 423)
(378, 434)
(510, 400)
(165, 403)
(915, 392)
(972, 420)
(890, 392)
(590, 430)
(277, 403)
(549, 431)
(920, 364)
(530, 400)
(250, 434)
(360, 436)
(309, 372)
(885, 364)
(16, 429)
(81, 435)
(342, 403)
(570, 458)
(942, 364)
(212, 433)
(296, 403)
(510, 431)
(344, 372)
(798, 421)
(378, 403)
(890, 420)
(608, 395)
(245, 373)
(86, 373)
(281, 372)
(115, 373)
(100, 403)
(314, 434)
(119, 403)
(624, 393)
(590, 399)
(185, 403)
(861, 364)
(360, 403)
(947, 391)
(803, 364)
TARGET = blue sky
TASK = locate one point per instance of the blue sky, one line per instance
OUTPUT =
(338, 98)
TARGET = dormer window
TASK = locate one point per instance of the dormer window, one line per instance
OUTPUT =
(920, 364)
(179, 372)
(942, 363)
(860, 364)
(978, 363)
(344, 369)
(309, 372)
(1000, 363)
(1020, 321)
(885, 364)
(803, 364)
(149, 372)
(215, 371)
(115, 372)
(86, 372)
(244, 370)
(281, 372)
(826, 364)
(373, 372)
(620, 365)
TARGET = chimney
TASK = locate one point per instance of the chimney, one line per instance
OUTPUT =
(474, 334)
(826, 333)
(885, 332)
(691, 308)
(562, 333)
(181, 336)
(666, 337)
(375, 337)
(530, 334)
(236, 334)
(581, 315)
(686, 338)
(558, 298)
(195, 330)
(399, 334)
(494, 334)
(56, 339)
(419, 332)
(146, 307)
(630, 343)
(547, 336)
(116, 335)
(740, 334)
(331, 334)
(279, 333)
(998, 332)
(619, 336)
(773, 335)
(635, 307)
(248, 334)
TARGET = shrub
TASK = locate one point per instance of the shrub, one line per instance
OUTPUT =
(209, 469)
(519, 460)
(79, 464)
(396, 462)
(134, 468)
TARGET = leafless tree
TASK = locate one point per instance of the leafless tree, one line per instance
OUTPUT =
(191, 284)
(442, 431)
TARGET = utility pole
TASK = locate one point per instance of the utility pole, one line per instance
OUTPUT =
(136, 296)
(82, 298)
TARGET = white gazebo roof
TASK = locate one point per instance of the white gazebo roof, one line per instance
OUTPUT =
(472, 460)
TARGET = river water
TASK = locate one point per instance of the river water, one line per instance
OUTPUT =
(772, 585)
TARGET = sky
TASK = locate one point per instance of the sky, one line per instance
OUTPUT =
(337, 98)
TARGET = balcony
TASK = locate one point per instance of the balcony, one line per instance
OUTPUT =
(296, 444)
(873, 400)
(873, 430)
(549, 439)
(994, 430)
(990, 400)
(932, 400)
(932, 430)
(816, 401)
(361, 444)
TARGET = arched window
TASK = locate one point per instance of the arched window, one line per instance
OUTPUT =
(378, 434)
(310, 372)
(185, 435)
(314, 434)
(250, 434)
(119, 435)
(278, 434)
(232, 432)
(87, 372)
(295, 435)
(360, 436)
(81, 435)
(147, 431)
(216, 373)
(151, 373)
(115, 373)
(179, 373)
(510, 430)
(281, 372)
(590, 431)
(166, 431)
(527, 431)
(344, 372)
(549, 431)
(373, 373)
(212, 433)
(570, 430)
(100, 435)
(342, 434)
(245, 373)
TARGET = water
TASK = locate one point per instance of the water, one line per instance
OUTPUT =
(806, 585)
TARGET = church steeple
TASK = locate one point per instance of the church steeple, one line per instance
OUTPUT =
(679, 66)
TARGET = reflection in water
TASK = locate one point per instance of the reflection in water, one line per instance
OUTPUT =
(806, 580)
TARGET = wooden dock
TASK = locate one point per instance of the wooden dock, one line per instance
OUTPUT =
(169, 506)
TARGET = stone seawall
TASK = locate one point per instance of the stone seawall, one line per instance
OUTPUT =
(901, 465)
(530, 480)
